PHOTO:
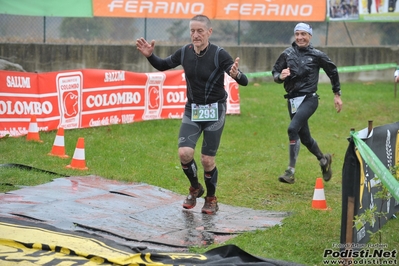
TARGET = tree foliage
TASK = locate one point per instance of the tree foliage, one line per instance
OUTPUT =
(176, 31)
(269, 32)
(97, 28)
(389, 34)
(225, 30)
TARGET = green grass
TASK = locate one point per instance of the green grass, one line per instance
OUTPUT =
(253, 153)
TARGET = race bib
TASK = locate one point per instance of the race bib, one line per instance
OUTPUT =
(295, 103)
(206, 112)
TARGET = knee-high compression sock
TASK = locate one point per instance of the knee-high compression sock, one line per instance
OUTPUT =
(190, 170)
(211, 180)
(294, 151)
(314, 149)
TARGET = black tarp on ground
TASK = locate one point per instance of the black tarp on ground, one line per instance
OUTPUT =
(79, 220)
(130, 211)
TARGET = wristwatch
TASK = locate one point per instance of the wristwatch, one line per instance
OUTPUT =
(238, 75)
(338, 93)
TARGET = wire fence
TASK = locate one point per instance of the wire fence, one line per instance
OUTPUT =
(122, 31)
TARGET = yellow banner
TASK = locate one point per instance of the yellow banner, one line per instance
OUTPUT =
(255, 10)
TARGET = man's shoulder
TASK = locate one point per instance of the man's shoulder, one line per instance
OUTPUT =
(215, 46)
(315, 50)
(218, 50)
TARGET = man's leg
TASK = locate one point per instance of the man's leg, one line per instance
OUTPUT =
(186, 155)
(212, 135)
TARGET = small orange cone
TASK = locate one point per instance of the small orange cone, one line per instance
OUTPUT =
(319, 200)
(33, 131)
(78, 159)
(59, 145)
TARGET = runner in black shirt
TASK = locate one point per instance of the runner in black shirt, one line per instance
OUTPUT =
(204, 66)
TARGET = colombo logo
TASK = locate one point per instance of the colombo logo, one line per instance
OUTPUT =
(70, 100)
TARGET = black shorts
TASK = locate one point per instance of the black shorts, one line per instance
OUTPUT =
(191, 131)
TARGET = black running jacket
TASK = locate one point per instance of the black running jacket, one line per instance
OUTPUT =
(304, 64)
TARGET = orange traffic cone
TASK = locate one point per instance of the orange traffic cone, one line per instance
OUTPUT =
(78, 159)
(319, 200)
(33, 131)
(59, 145)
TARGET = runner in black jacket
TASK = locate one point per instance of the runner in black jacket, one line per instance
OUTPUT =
(298, 68)
(204, 66)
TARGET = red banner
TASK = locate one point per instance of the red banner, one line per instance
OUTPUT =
(92, 97)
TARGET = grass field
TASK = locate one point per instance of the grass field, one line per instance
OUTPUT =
(253, 153)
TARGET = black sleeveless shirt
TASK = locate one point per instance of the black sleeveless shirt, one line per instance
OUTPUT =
(204, 72)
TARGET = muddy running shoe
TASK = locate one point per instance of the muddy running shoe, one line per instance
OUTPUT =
(210, 205)
(287, 177)
(191, 199)
(326, 168)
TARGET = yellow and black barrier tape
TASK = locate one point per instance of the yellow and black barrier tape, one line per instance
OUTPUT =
(37, 246)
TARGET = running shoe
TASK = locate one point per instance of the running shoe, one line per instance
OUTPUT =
(210, 205)
(326, 168)
(287, 177)
(191, 199)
